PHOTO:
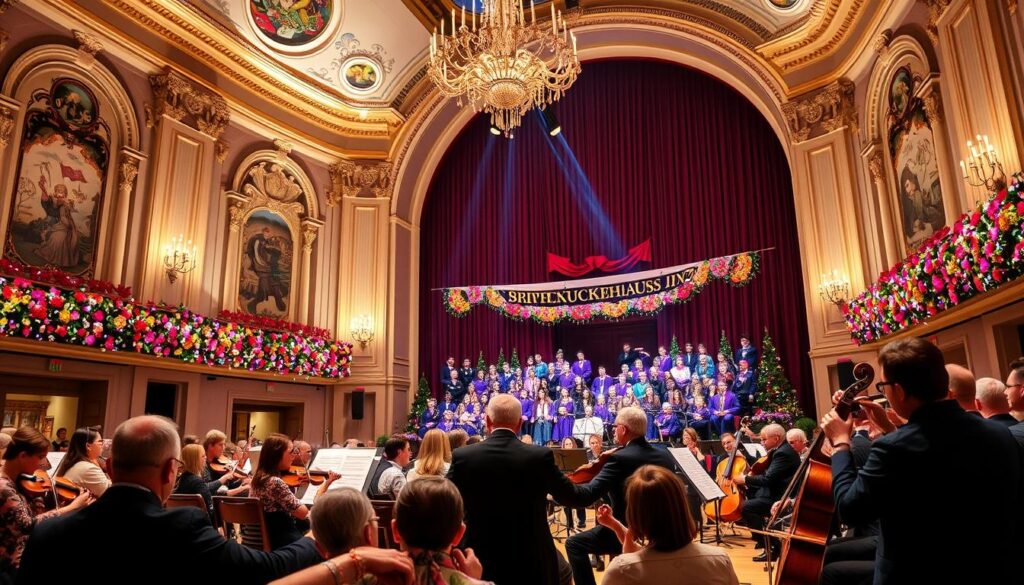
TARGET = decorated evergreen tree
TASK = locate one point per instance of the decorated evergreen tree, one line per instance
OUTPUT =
(419, 404)
(501, 358)
(673, 348)
(725, 347)
(514, 362)
(774, 392)
(481, 363)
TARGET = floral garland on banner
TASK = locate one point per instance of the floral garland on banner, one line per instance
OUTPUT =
(982, 251)
(114, 323)
(737, 270)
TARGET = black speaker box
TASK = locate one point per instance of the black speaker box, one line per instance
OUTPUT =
(357, 404)
(844, 369)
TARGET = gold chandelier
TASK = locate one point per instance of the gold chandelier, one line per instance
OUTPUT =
(505, 66)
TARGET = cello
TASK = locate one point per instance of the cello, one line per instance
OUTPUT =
(803, 549)
(728, 508)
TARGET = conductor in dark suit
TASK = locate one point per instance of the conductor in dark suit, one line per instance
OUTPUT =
(176, 545)
(510, 535)
(765, 489)
(629, 430)
(921, 479)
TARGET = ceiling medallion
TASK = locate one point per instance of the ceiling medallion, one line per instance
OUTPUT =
(506, 66)
(294, 27)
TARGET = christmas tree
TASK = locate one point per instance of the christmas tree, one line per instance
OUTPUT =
(725, 347)
(774, 392)
(514, 362)
(673, 348)
(501, 357)
(481, 363)
(418, 405)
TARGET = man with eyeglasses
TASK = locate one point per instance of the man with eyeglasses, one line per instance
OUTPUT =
(1015, 396)
(171, 545)
(921, 479)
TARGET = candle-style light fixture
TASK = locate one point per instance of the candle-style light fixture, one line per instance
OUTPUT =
(179, 258)
(834, 289)
(362, 329)
(983, 168)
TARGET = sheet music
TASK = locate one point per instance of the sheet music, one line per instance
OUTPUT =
(755, 449)
(694, 471)
(354, 465)
(54, 458)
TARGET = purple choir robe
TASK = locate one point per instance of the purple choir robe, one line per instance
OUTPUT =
(664, 363)
(566, 380)
(601, 411)
(480, 386)
(621, 389)
(563, 423)
(428, 420)
(581, 369)
(527, 408)
(448, 425)
(668, 424)
(447, 406)
(601, 385)
(703, 412)
(727, 402)
(470, 429)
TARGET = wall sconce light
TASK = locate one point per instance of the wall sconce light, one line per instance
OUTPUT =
(179, 258)
(362, 329)
(983, 155)
(834, 289)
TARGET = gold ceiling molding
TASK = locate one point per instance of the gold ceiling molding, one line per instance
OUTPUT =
(178, 98)
(355, 178)
(830, 109)
(828, 24)
(213, 48)
(936, 8)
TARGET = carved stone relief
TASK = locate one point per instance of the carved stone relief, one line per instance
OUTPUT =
(87, 43)
(6, 126)
(180, 99)
(353, 179)
(823, 112)
(936, 8)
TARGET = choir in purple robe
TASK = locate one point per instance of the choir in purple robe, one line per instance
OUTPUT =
(430, 417)
(700, 417)
(724, 408)
(563, 419)
(527, 403)
(668, 424)
(581, 367)
(663, 361)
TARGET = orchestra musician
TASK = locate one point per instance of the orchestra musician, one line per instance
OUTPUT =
(940, 445)
(81, 464)
(765, 489)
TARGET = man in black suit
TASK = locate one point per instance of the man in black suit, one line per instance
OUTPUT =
(765, 489)
(629, 430)
(1015, 396)
(176, 545)
(990, 400)
(466, 374)
(628, 355)
(510, 535)
(454, 386)
(447, 368)
(940, 445)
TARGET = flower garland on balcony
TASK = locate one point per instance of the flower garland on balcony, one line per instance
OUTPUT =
(88, 318)
(982, 251)
(738, 270)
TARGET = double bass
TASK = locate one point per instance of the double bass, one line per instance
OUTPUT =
(803, 549)
(729, 507)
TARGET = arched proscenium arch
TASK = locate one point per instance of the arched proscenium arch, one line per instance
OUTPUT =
(439, 121)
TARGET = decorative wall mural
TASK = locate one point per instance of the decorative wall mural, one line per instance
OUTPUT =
(61, 178)
(361, 74)
(783, 3)
(264, 286)
(912, 148)
(292, 23)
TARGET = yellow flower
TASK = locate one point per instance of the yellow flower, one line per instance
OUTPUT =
(150, 321)
(3, 321)
(64, 316)
(120, 322)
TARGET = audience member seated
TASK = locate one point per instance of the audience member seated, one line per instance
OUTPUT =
(1015, 396)
(81, 464)
(457, 438)
(397, 452)
(434, 457)
(962, 387)
(990, 400)
(281, 508)
(428, 523)
(191, 481)
(25, 453)
(657, 514)
(176, 545)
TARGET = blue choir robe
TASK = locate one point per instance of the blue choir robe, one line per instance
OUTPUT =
(731, 405)
(563, 423)
(600, 385)
(747, 353)
(480, 386)
(744, 384)
(566, 380)
(706, 371)
(664, 363)
(527, 428)
(582, 369)
(504, 380)
(651, 409)
(540, 370)
(448, 425)
(470, 429)
(452, 406)
(428, 420)
(601, 411)
(668, 424)
(542, 415)
(690, 360)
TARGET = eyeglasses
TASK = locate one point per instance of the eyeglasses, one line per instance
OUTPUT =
(880, 386)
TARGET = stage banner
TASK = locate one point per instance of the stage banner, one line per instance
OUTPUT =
(608, 297)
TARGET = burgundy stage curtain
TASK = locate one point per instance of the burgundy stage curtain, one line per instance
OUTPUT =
(671, 154)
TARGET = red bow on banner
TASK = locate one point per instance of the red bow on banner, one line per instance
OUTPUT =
(562, 265)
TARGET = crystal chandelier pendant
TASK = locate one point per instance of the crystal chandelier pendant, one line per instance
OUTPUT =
(505, 65)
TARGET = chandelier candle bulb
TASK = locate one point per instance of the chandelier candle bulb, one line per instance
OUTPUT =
(533, 13)
(554, 21)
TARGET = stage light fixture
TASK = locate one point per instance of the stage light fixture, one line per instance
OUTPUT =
(550, 121)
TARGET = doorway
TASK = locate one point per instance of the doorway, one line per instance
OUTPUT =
(262, 419)
(50, 404)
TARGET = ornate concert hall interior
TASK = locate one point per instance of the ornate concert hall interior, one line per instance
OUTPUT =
(287, 216)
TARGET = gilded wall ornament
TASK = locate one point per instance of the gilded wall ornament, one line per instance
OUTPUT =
(87, 43)
(128, 171)
(352, 179)
(876, 164)
(4, 37)
(830, 109)
(936, 8)
(357, 69)
(180, 99)
(273, 182)
(221, 149)
(5, 4)
(882, 42)
(6, 126)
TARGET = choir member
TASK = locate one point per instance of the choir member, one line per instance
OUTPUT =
(466, 374)
(505, 376)
(81, 464)
(705, 369)
(531, 383)
(430, 417)
(745, 386)
(657, 381)
(724, 408)
(566, 379)
(539, 367)
(651, 406)
(663, 361)
(480, 382)
(545, 389)
(623, 386)
(585, 399)
(447, 369)
(628, 355)
(448, 423)
(668, 424)
(469, 424)
(578, 386)
(638, 367)
(680, 372)
(677, 401)
(448, 404)
(746, 351)
(689, 357)
(601, 411)
(454, 386)
(627, 373)
(641, 386)
(581, 367)
(542, 419)
(700, 416)
(722, 359)
(527, 405)
(602, 382)
(564, 417)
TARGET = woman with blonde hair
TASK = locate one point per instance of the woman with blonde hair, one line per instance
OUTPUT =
(434, 458)
(193, 459)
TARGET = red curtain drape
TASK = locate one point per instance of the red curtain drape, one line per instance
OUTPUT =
(566, 267)
(648, 150)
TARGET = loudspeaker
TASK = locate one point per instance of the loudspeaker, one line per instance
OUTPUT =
(844, 368)
(357, 404)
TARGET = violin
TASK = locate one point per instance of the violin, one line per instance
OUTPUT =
(294, 475)
(39, 485)
(223, 466)
(588, 471)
